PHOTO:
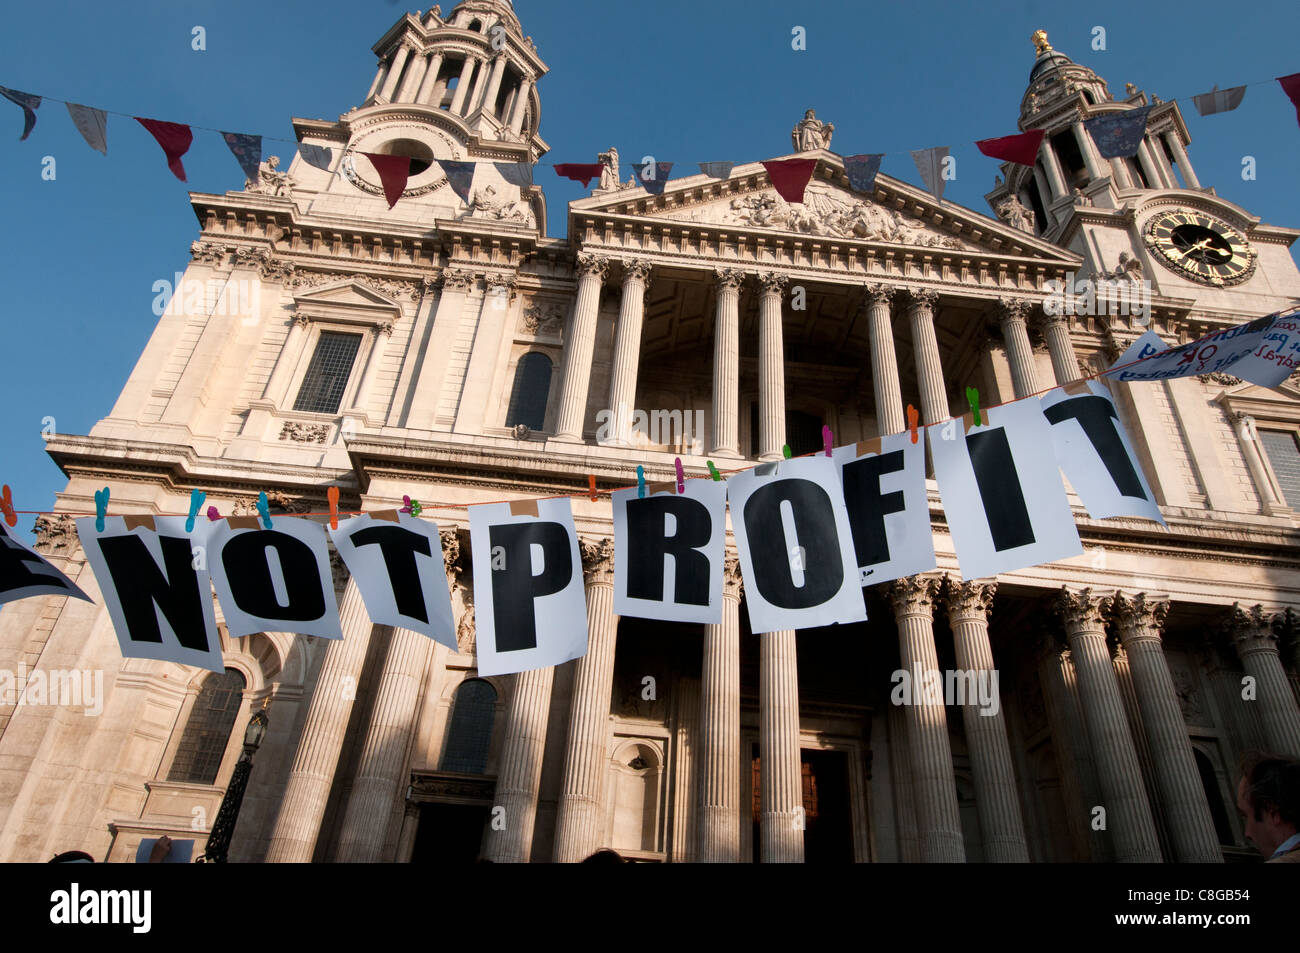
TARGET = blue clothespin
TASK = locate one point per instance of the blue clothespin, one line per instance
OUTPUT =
(640, 482)
(713, 472)
(196, 500)
(264, 509)
(101, 508)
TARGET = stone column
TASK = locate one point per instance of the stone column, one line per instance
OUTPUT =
(293, 839)
(580, 820)
(394, 73)
(938, 819)
(462, 85)
(627, 349)
(1128, 814)
(1180, 156)
(1052, 166)
(379, 78)
(1045, 194)
(521, 768)
(277, 387)
(1091, 158)
(718, 760)
(771, 368)
(521, 106)
(929, 371)
(1154, 174)
(890, 418)
(579, 346)
(1119, 171)
(493, 85)
(1065, 365)
(1253, 636)
(996, 796)
(1191, 826)
(726, 364)
(1011, 316)
(456, 284)
(424, 95)
(900, 766)
(380, 335)
(406, 92)
(781, 819)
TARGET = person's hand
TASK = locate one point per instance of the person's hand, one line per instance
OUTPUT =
(160, 850)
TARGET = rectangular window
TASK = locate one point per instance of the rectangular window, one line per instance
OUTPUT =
(327, 375)
(1284, 453)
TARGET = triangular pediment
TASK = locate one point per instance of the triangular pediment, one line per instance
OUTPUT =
(894, 214)
(346, 294)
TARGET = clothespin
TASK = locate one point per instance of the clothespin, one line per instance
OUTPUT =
(196, 500)
(264, 509)
(973, 398)
(827, 439)
(591, 485)
(913, 416)
(640, 482)
(411, 506)
(7, 505)
(101, 508)
(785, 451)
(681, 475)
(713, 472)
(332, 493)
(213, 515)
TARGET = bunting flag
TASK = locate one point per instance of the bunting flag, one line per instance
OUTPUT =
(717, 170)
(1290, 86)
(582, 172)
(247, 150)
(657, 178)
(29, 104)
(318, 157)
(459, 176)
(1225, 349)
(1021, 149)
(1219, 100)
(516, 173)
(393, 173)
(862, 171)
(175, 139)
(1118, 135)
(790, 177)
(929, 162)
(92, 124)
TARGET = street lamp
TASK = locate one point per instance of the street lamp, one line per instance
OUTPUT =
(223, 828)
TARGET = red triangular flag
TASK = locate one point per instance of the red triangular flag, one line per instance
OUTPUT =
(175, 139)
(1291, 86)
(790, 177)
(393, 173)
(1021, 149)
(582, 172)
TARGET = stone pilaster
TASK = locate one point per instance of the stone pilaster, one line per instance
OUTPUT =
(521, 768)
(1255, 639)
(579, 347)
(929, 370)
(726, 365)
(427, 390)
(884, 362)
(1015, 333)
(579, 822)
(718, 761)
(771, 368)
(938, 819)
(781, 818)
(293, 839)
(1139, 620)
(627, 349)
(996, 797)
(1128, 814)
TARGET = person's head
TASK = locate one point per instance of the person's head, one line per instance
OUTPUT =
(72, 857)
(1268, 797)
(605, 856)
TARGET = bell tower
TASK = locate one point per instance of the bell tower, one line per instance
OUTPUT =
(462, 88)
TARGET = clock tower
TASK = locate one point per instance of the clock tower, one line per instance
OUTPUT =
(1146, 218)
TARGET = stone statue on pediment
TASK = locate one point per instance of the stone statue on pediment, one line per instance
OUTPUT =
(485, 204)
(1013, 212)
(812, 134)
(610, 173)
(270, 180)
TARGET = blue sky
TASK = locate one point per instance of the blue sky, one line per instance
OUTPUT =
(682, 81)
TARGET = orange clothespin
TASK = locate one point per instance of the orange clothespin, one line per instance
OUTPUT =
(7, 506)
(333, 494)
(913, 416)
(591, 485)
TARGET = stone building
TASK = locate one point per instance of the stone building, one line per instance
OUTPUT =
(455, 353)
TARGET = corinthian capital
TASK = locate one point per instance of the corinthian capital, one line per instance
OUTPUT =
(773, 283)
(728, 279)
(597, 559)
(596, 266)
(636, 269)
(914, 595)
(1253, 628)
(1081, 610)
(1013, 309)
(878, 293)
(972, 599)
(732, 585)
(450, 551)
(1139, 615)
(923, 298)
(457, 279)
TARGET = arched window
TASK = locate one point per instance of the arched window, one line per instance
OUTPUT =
(470, 736)
(207, 732)
(528, 398)
(476, 26)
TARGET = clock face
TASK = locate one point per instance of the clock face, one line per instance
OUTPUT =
(1200, 247)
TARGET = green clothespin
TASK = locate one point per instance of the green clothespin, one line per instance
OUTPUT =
(713, 471)
(786, 451)
(973, 398)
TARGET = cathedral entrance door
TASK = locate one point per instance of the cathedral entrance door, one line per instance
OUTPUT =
(449, 833)
(828, 820)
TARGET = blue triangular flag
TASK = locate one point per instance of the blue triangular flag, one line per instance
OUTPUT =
(717, 170)
(29, 104)
(1118, 135)
(247, 150)
(652, 176)
(459, 176)
(861, 170)
(516, 173)
(316, 156)
(929, 162)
